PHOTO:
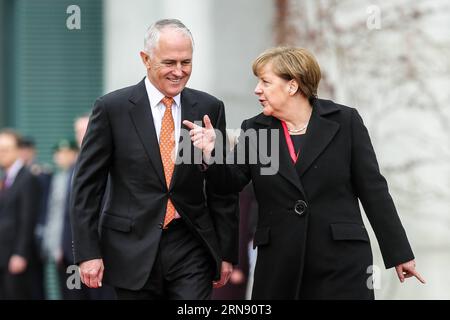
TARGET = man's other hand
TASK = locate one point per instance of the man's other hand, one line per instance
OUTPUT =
(91, 272)
(225, 273)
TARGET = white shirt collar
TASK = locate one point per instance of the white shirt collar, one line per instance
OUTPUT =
(155, 95)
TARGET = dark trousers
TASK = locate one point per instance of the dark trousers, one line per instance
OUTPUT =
(15, 287)
(183, 270)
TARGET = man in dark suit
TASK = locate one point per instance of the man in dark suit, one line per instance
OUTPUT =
(19, 196)
(162, 233)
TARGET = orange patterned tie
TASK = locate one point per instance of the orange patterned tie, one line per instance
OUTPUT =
(167, 150)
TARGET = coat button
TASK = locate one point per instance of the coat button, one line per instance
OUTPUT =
(300, 207)
(160, 225)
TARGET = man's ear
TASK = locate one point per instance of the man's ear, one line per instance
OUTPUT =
(145, 59)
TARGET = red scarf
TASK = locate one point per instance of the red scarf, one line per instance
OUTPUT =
(289, 143)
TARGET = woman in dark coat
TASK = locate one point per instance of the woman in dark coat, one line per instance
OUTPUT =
(312, 243)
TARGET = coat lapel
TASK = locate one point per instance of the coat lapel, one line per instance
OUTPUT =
(142, 118)
(188, 112)
(320, 133)
(286, 166)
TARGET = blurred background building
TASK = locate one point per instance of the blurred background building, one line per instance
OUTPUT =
(388, 58)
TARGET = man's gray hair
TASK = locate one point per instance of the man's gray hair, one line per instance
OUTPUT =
(151, 39)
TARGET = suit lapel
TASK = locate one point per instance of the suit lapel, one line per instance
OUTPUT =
(188, 112)
(142, 118)
(320, 133)
(14, 184)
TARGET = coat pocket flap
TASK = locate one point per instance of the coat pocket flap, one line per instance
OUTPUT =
(349, 231)
(262, 237)
(115, 222)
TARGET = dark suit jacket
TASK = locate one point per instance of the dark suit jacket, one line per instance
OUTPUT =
(324, 252)
(121, 142)
(18, 211)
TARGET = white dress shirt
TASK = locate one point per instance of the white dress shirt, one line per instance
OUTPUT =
(158, 109)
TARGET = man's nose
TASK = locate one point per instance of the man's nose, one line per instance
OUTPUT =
(178, 70)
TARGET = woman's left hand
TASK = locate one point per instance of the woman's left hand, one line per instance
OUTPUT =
(407, 270)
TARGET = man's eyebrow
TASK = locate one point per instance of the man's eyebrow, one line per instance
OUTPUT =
(173, 60)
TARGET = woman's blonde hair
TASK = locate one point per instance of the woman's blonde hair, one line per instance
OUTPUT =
(292, 63)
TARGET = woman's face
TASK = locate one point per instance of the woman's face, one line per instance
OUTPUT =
(272, 91)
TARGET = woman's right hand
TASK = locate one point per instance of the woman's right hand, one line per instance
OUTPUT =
(202, 138)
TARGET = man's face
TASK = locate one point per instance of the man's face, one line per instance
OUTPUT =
(170, 66)
(65, 158)
(27, 154)
(9, 151)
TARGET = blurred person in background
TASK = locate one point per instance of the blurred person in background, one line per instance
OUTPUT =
(28, 153)
(19, 202)
(312, 243)
(56, 259)
(27, 150)
(80, 126)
